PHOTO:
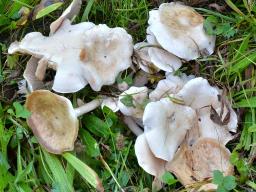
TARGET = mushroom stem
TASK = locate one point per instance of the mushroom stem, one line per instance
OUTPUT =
(133, 126)
(87, 107)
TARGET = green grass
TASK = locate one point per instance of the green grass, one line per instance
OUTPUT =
(25, 166)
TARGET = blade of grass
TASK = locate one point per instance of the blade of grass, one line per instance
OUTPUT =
(245, 62)
(87, 11)
(58, 172)
(85, 171)
(243, 47)
(234, 7)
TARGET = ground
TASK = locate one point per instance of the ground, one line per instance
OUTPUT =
(25, 166)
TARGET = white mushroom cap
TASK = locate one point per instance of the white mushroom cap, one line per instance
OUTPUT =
(209, 128)
(160, 58)
(165, 125)
(163, 59)
(143, 60)
(139, 96)
(93, 55)
(146, 158)
(179, 30)
(108, 51)
(199, 95)
(171, 85)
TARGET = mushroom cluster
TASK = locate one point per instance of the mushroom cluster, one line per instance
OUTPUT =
(186, 128)
(183, 123)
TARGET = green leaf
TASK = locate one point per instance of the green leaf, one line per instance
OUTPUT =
(217, 177)
(229, 182)
(85, 171)
(47, 10)
(92, 147)
(20, 111)
(168, 178)
(127, 100)
(96, 125)
(221, 189)
(58, 172)
(251, 102)
(210, 25)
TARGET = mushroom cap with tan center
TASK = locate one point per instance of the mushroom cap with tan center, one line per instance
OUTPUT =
(165, 126)
(197, 163)
(107, 52)
(179, 30)
(67, 39)
(138, 95)
(53, 121)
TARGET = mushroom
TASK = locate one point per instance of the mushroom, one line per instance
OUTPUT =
(215, 115)
(146, 158)
(179, 30)
(169, 86)
(136, 97)
(166, 124)
(160, 58)
(197, 163)
(54, 121)
(93, 54)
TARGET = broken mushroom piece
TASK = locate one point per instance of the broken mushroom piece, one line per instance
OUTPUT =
(72, 10)
(179, 30)
(216, 118)
(131, 102)
(54, 121)
(197, 163)
(93, 54)
(165, 126)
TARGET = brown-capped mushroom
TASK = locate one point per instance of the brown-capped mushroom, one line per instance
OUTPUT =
(54, 121)
(197, 163)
